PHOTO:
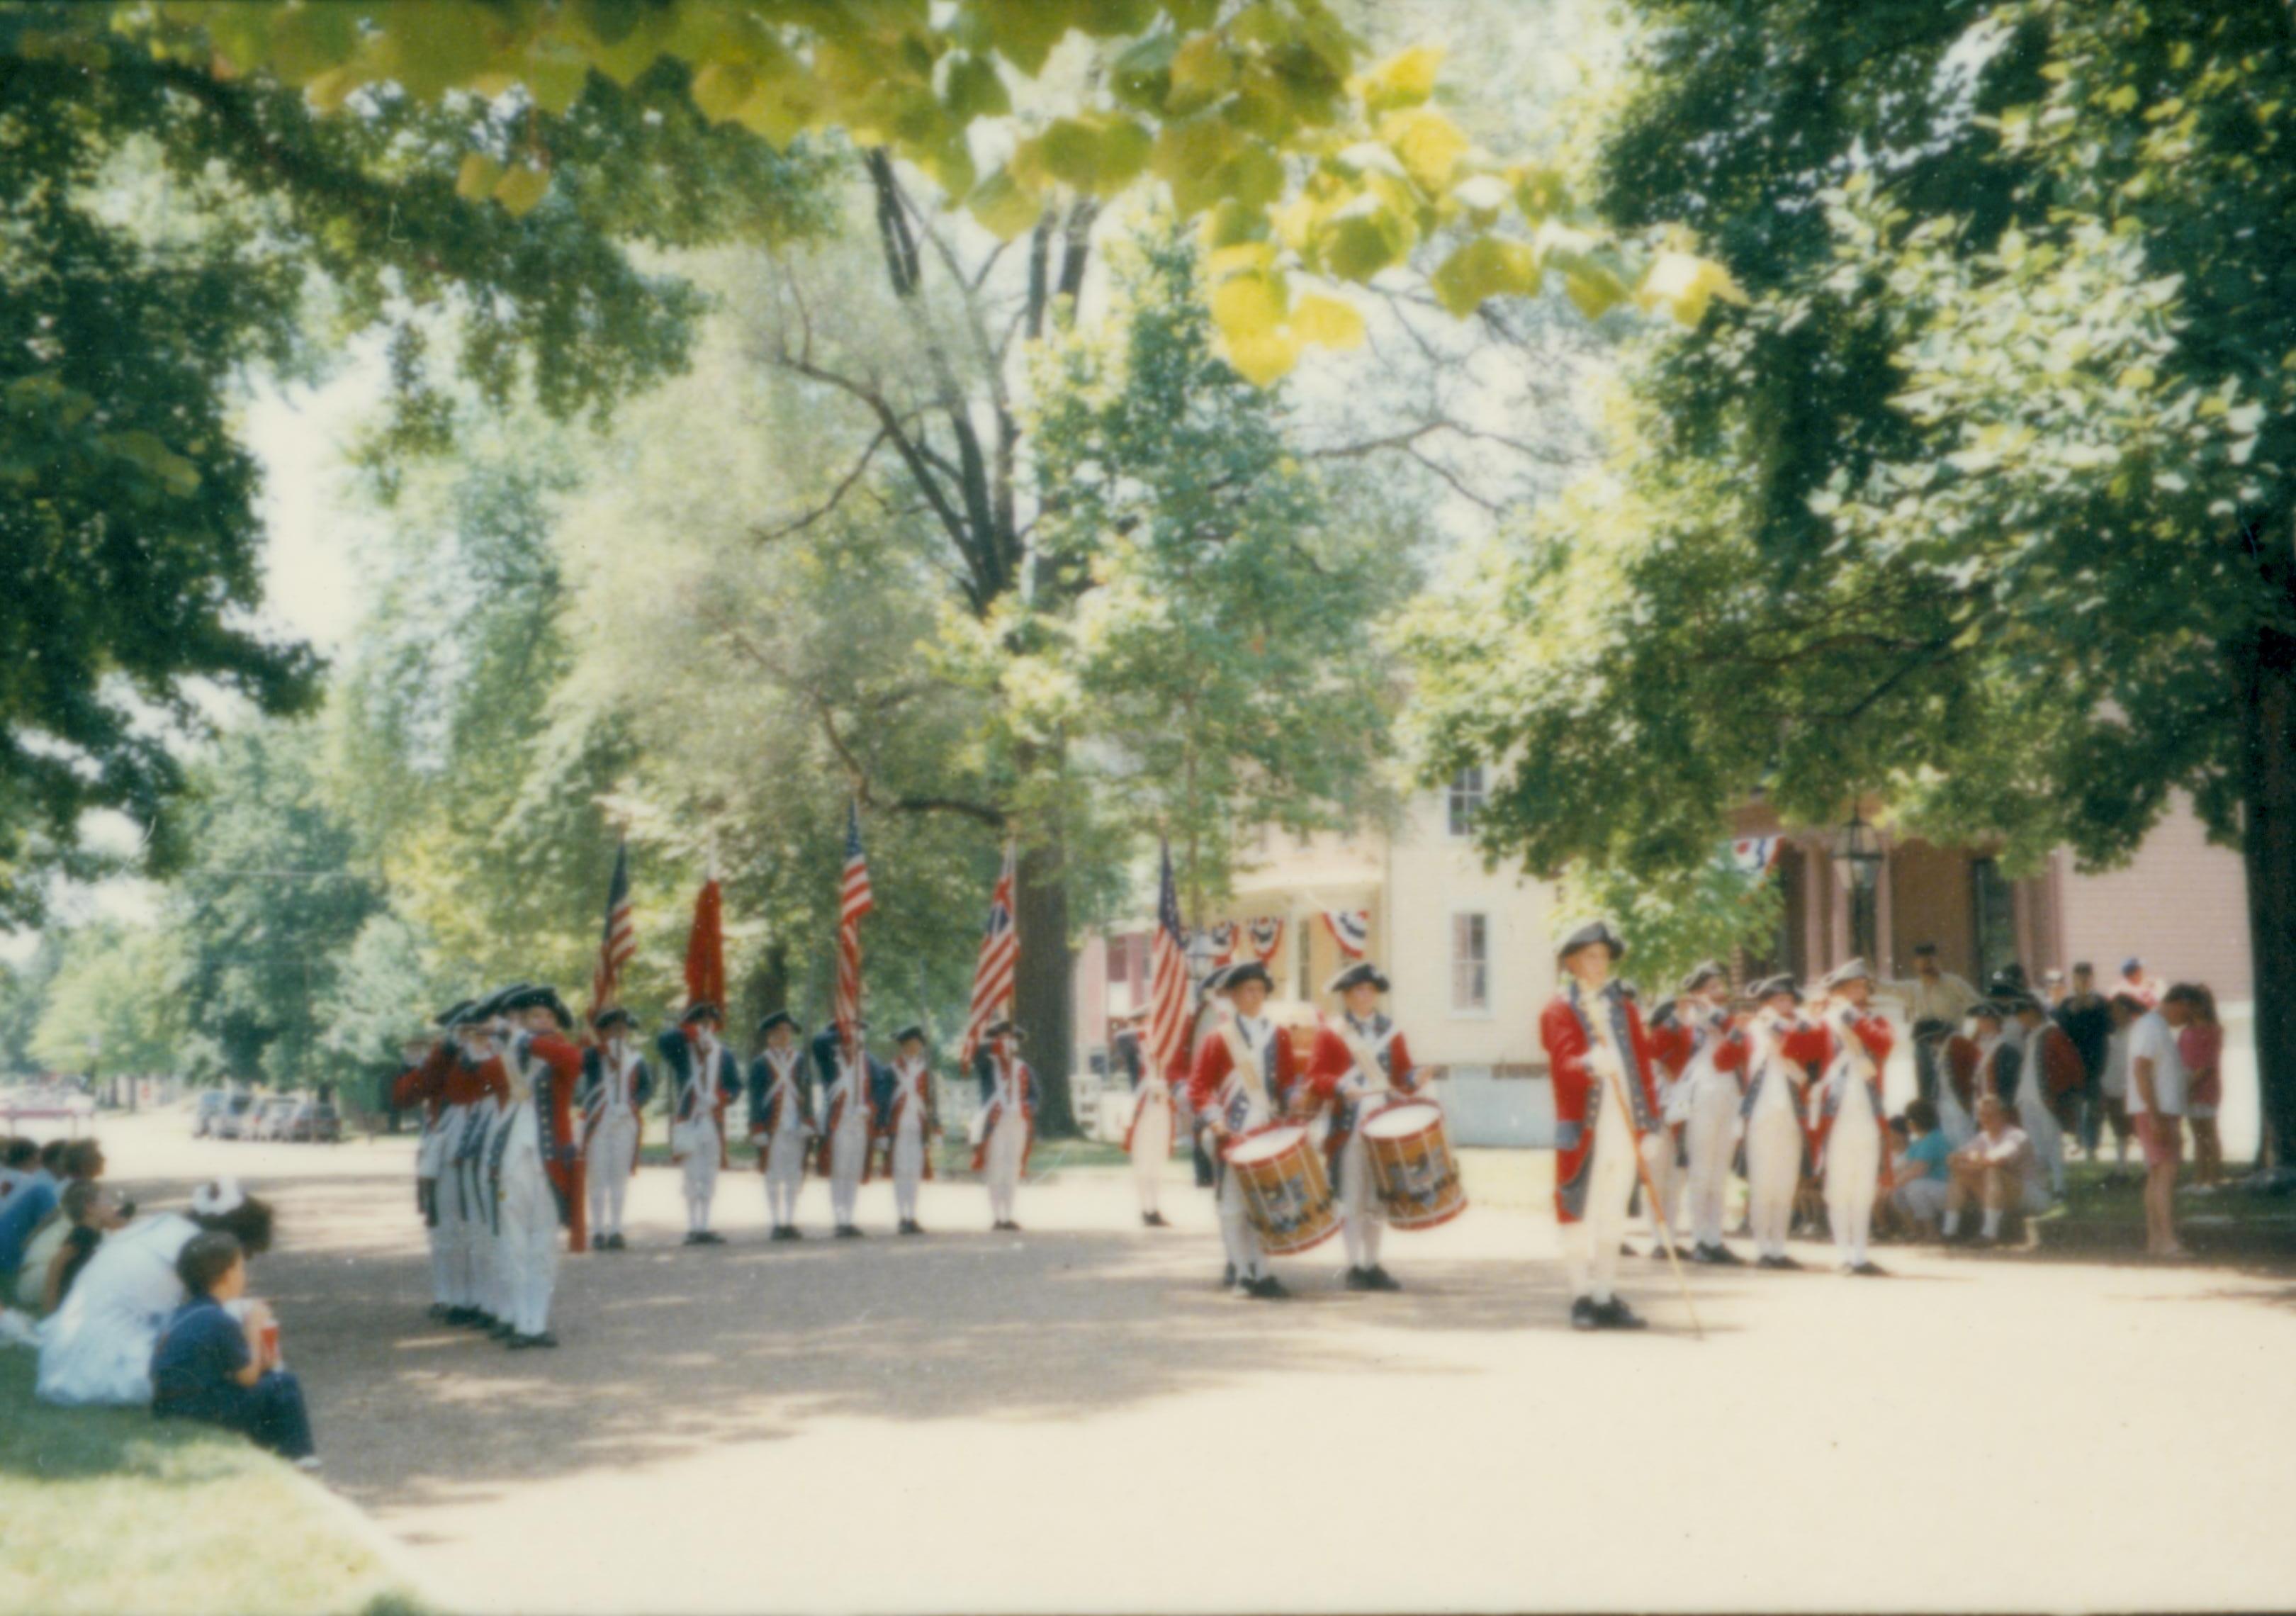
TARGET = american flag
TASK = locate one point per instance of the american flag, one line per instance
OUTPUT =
(1000, 952)
(1167, 985)
(619, 945)
(858, 901)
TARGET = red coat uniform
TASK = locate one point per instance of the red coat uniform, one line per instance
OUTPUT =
(1577, 1111)
(1876, 1034)
(1329, 1061)
(425, 1084)
(1215, 1088)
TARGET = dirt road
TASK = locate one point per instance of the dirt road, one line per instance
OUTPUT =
(1074, 1417)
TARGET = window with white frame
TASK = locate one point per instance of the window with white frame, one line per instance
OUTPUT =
(1466, 800)
(1471, 965)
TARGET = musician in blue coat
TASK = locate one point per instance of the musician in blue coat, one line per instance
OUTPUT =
(780, 1118)
(704, 1079)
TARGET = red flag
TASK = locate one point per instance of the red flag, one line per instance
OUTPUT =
(705, 951)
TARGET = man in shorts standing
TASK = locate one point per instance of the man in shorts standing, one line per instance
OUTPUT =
(2156, 1102)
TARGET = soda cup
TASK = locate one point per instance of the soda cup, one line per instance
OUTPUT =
(271, 1344)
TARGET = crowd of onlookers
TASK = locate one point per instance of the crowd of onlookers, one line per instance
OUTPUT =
(2014, 1079)
(153, 1310)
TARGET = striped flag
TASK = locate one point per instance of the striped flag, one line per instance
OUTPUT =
(1000, 953)
(619, 945)
(1167, 979)
(856, 901)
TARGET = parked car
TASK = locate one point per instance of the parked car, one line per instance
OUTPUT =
(317, 1122)
(277, 1113)
(237, 1119)
(207, 1112)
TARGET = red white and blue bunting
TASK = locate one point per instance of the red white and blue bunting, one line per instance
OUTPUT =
(1752, 857)
(1350, 928)
(1267, 937)
(1223, 935)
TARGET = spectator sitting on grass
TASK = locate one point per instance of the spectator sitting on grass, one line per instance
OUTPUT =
(60, 1250)
(18, 1157)
(1922, 1176)
(214, 1367)
(1997, 1169)
(23, 1212)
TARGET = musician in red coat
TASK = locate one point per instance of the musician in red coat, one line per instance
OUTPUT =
(1244, 1079)
(422, 1088)
(537, 1161)
(1851, 1137)
(1597, 1055)
(1357, 1065)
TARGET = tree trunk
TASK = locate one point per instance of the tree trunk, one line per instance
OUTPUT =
(1042, 1002)
(2267, 662)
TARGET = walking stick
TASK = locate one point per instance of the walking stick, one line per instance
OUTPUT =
(1658, 1212)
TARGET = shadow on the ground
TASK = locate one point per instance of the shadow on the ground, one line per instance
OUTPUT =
(666, 1349)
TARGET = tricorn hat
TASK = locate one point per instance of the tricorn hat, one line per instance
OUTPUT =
(1848, 971)
(533, 996)
(454, 1015)
(1005, 1028)
(613, 1016)
(1249, 971)
(779, 1018)
(1362, 971)
(1215, 981)
(701, 1010)
(1988, 1009)
(1704, 972)
(1586, 935)
(911, 1031)
(1770, 986)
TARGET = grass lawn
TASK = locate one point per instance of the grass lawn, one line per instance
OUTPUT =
(2098, 1194)
(109, 1509)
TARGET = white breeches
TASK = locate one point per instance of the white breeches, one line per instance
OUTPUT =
(613, 1148)
(1151, 1147)
(1773, 1168)
(701, 1169)
(526, 1250)
(1853, 1169)
(784, 1175)
(1001, 1166)
(849, 1154)
(1669, 1177)
(1363, 1215)
(1590, 1246)
(1712, 1136)
(908, 1165)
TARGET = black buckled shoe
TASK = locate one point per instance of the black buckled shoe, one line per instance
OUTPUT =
(1382, 1280)
(1357, 1279)
(1582, 1314)
(1615, 1315)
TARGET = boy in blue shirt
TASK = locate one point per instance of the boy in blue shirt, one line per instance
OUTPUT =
(211, 1367)
(1922, 1174)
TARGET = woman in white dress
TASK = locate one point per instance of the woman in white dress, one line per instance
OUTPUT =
(97, 1347)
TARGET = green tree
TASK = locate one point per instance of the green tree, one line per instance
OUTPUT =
(1983, 506)
(113, 1005)
(23, 994)
(170, 230)
(265, 916)
(1674, 924)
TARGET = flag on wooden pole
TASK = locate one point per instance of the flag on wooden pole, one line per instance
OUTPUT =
(993, 973)
(619, 945)
(856, 901)
(1168, 977)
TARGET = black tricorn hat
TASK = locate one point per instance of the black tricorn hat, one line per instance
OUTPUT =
(1362, 971)
(1704, 972)
(1770, 986)
(701, 1010)
(1215, 981)
(1990, 1010)
(1586, 935)
(497, 1001)
(614, 1017)
(911, 1031)
(779, 1018)
(533, 997)
(1250, 971)
(454, 1015)
(1005, 1029)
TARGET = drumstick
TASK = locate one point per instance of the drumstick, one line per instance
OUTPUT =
(1658, 1212)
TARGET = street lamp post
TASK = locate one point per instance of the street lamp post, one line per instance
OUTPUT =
(1857, 860)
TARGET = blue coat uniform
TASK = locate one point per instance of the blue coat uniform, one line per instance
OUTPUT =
(761, 1082)
(680, 1051)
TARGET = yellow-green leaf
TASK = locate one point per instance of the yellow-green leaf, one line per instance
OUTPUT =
(1327, 322)
(476, 179)
(1248, 304)
(1003, 206)
(976, 89)
(1428, 145)
(1403, 81)
(522, 189)
(1486, 267)
(1203, 71)
(1262, 358)
(1189, 157)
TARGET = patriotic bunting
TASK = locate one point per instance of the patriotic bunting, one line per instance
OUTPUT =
(1350, 928)
(1267, 937)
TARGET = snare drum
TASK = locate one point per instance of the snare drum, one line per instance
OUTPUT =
(1285, 1192)
(1412, 1167)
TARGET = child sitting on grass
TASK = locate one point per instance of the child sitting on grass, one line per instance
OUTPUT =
(211, 1367)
